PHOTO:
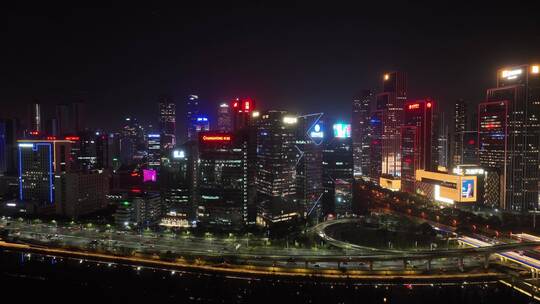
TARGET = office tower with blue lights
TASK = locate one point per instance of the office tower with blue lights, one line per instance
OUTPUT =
(509, 134)
(39, 162)
(192, 112)
(360, 131)
(167, 124)
(390, 102)
(201, 124)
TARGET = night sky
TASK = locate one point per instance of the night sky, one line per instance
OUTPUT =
(298, 58)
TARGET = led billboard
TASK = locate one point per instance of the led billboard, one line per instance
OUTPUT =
(149, 176)
(342, 130)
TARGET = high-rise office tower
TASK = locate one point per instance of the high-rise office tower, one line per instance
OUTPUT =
(9, 133)
(224, 118)
(242, 109)
(35, 118)
(509, 134)
(132, 143)
(4, 150)
(460, 124)
(167, 124)
(63, 124)
(222, 180)
(469, 152)
(78, 116)
(39, 162)
(443, 144)
(416, 141)
(390, 101)
(70, 118)
(154, 151)
(192, 112)
(337, 167)
(176, 182)
(201, 124)
(360, 131)
(375, 150)
(309, 138)
(276, 159)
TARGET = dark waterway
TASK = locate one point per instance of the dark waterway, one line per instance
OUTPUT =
(52, 279)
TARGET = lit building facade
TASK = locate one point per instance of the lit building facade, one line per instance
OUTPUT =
(276, 159)
(39, 162)
(509, 134)
(361, 131)
(192, 112)
(177, 191)
(460, 124)
(338, 175)
(222, 180)
(167, 123)
(224, 118)
(390, 101)
(154, 151)
(309, 138)
(416, 141)
(375, 150)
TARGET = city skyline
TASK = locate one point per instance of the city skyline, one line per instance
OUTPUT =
(262, 153)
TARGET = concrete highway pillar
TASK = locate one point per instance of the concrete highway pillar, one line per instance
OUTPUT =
(429, 265)
(404, 264)
(370, 265)
(460, 264)
(338, 264)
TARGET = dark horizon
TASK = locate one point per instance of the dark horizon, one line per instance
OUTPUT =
(299, 58)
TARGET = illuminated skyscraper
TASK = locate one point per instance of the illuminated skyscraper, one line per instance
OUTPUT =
(416, 141)
(337, 168)
(201, 124)
(509, 134)
(276, 167)
(224, 118)
(309, 138)
(276, 154)
(167, 124)
(154, 151)
(360, 131)
(375, 150)
(39, 162)
(192, 112)
(460, 123)
(242, 109)
(35, 118)
(222, 180)
(390, 102)
(4, 150)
